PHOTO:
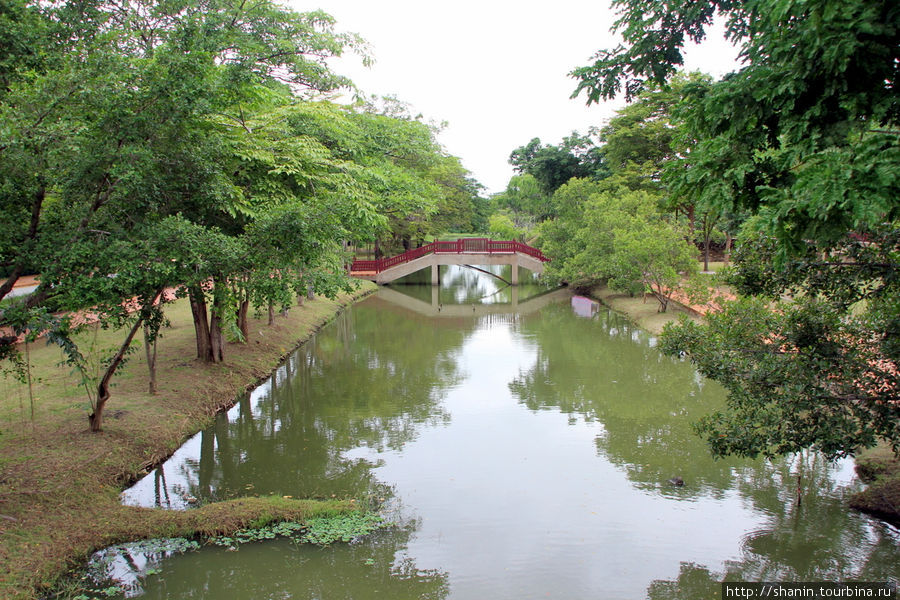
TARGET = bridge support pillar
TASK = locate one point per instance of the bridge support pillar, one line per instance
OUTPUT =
(515, 270)
(435, 276)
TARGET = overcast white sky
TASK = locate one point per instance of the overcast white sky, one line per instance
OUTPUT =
(495, 70)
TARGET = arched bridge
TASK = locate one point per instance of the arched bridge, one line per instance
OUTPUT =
(466, 251)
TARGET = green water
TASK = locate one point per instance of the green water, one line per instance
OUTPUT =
(522, 443)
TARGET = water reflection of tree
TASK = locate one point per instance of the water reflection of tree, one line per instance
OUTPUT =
(817, 538)
(606, 370)
(693, 582)
(372, 379)
(284, 569)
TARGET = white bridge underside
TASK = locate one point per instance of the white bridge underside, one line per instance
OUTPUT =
(515, 259)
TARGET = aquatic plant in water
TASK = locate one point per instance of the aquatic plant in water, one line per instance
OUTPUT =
(342, 528)
(322, 531)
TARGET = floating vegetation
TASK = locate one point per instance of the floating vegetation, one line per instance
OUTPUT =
(342, 528)
(270, 532)
(322, 531)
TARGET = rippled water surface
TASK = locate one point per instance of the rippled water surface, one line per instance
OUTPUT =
(522, 442)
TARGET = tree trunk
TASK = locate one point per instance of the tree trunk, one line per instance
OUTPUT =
(727, 247)
(271, 313)
(207, 463)
(706, 236)
(207, 328)
(216, 335)
(150, 349)
(96, 418)
(242, 322)
(39, 197)
(201, 324)
(10, 282)
(663, 302)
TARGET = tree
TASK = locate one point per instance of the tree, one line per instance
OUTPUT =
(460, 206)
(502, 227)
(618, 238)
(803, 130)
(552, 166)
(120, 125)
(125, 291)
(22, 33)
(410, 175)
(805, 136)
(300, 200)
(523, 200)
(818, 370)
(647, 137)
(644, 132)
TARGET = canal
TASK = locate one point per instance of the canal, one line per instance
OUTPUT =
(524, 443)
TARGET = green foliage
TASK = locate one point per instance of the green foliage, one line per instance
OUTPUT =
(523, 198)
(123, 126)
(616, 236)
(802, 133)
(157, 145)
(552, 166)
(322, 531)
(258, 534)
(502, 228)
(460, 206)
(646, 132)
(810, 359)
(804, 137)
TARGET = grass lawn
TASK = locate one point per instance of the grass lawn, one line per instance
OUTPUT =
(644, 312)
(59, 483)
(714, 266)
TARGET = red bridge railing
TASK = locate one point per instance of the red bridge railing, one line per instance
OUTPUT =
(460, 246)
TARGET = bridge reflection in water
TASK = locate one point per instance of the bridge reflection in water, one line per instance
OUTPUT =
(529, 304)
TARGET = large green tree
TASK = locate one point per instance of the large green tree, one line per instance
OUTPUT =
(804, 134)
(551, 166)
(127, 119)
(613, 235)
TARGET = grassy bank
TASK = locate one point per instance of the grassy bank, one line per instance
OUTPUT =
(880, 468)
(644, 312)
(59, 483)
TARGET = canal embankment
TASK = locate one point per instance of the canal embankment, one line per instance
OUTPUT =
(60, 484)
